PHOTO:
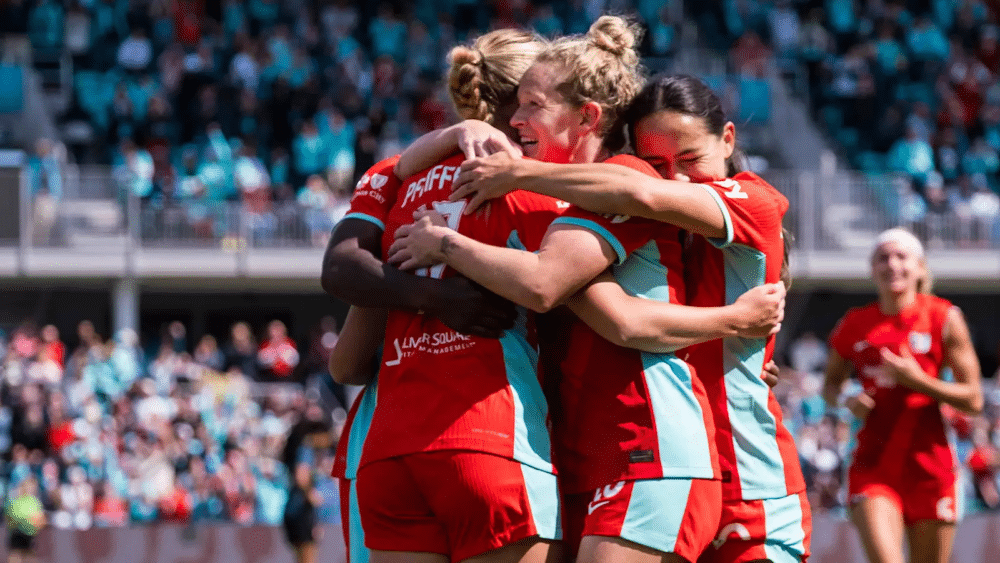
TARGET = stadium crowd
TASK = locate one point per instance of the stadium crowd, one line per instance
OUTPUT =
(111, 439)
(115, 434)
(904, 86)
(272, 104)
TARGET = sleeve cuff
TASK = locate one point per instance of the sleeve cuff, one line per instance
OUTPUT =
(600, 231)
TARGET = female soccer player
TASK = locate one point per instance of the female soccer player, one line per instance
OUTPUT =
(904, 474)
(530, 215)
(677, 124)
(635, 428)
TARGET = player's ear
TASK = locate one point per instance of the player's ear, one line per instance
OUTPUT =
(729, 138)
(590, 115)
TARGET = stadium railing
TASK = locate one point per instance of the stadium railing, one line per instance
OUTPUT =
(831, 216)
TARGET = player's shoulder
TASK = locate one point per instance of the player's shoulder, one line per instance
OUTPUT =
(750, 186)
(451, 163)
(635, 163)
(934, 301)
(860, 315)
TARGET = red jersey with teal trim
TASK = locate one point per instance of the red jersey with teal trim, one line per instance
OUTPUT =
(375, 193)
(628, 414)
(439, 389)
(373, 197)
(756, 452)
(905, 433)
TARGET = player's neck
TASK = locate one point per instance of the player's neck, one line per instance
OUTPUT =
(893, 303)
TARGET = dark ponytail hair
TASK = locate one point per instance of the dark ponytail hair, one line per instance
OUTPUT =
(687, 95)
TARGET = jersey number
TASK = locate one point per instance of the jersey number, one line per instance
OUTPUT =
(452, 213)
(735, 191)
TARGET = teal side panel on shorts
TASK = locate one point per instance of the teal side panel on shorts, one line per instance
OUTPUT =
(758, 459)
(785, 542)
(543, 496)
(680, 423)
(643, 275)
(357, 552)
(656, 512)
(532, 444)
(359, 428)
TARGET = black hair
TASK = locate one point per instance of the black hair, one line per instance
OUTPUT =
(688, 95)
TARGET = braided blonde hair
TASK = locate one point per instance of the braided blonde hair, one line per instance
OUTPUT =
(485, 75)
(601, 66)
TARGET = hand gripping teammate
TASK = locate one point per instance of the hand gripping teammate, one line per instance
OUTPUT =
(903, 478)
(635, 425)
(677, 125)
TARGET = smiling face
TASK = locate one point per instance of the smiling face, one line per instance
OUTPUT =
(897, 269)
(680, 144)
(549, 127)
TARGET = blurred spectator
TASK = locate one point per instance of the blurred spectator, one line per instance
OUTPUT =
(14, 27)
(808, 353)
(207, 353)
(241, 350)
(300, 515)
(45, 25)
(136, 52)
(278, 355)
(749, 56)
(914, 157)
(317, 203)
(25, 518)
(984, 463)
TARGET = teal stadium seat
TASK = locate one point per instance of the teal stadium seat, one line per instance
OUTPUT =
(755, 100)
(11, 89)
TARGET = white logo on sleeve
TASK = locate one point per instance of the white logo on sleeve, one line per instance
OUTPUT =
(733, 528)
(378, 180)
(735, 190)
(603, 495)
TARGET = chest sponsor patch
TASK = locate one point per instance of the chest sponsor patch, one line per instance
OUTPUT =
(920, 342)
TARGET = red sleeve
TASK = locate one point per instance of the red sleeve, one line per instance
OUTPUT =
(530, 215)
(840, 339)
(624, 233)
(753, 210)
(375, 193)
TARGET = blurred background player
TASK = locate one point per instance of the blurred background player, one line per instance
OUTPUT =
(904, 475)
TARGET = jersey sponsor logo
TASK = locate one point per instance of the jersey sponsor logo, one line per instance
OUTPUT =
(379, 180)
(603, 495)
(429, 343)
(434, 179)
(945, 509)
(727, 532)
(735, 190)
(920, 342)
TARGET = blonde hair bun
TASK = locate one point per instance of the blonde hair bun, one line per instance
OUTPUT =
(616, 36)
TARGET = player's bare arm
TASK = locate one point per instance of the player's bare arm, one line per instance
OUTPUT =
(570, 256)
(965, 393)
(654, 326)
(598, 187)
(353, 271)
(352, 358)
(473, 137)
(838, 369)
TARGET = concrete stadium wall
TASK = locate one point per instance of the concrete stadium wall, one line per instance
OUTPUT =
(834, 541)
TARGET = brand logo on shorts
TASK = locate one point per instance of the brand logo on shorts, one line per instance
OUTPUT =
(740, 530)
(920, 342)
(946, 509)
(603, 495)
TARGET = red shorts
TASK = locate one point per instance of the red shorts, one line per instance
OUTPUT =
(677, 516)
(778, 530)
(456, 503)
(917, 500)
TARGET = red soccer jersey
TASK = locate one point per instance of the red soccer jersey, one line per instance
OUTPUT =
(904, 434)
(439, 389)
(756, 452)
(373, 198)
(628, 414)
(375, 193)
